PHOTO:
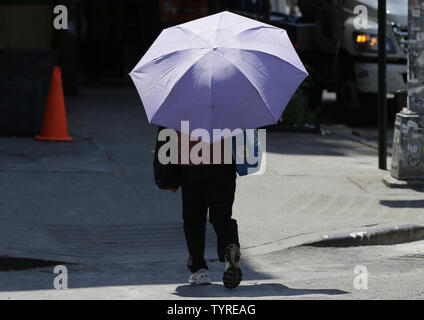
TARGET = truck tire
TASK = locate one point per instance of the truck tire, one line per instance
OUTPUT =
(349, 97)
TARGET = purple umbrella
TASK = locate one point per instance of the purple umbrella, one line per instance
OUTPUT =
(223, 71)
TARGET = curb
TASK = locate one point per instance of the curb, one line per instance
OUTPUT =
(385, 236)
(8, 263)
(392, 182)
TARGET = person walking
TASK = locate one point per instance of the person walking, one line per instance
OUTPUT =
(214, 79)
(210, 188)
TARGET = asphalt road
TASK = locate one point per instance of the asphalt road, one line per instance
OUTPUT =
(392, 272)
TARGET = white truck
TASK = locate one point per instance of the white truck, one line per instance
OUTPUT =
(337, 39)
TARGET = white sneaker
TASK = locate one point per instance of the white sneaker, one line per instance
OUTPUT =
(200, 277)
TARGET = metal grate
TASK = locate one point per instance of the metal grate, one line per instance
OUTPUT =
(125, 239)
(401, 33)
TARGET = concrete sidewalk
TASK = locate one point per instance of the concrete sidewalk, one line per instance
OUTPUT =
(394, 272)
(94, 200)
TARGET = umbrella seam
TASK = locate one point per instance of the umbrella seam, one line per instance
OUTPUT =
(265, 74)
(270, 54)
(195, 34)
(150, 62)
(217, 27)
(175, 84)
(182, 29)
(259, 27)
(261, 24)
(262, 98)
(199, 36)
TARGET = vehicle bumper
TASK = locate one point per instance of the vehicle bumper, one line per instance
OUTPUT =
(367, 77)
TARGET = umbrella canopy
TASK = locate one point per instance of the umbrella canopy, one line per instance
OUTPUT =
(224, 71)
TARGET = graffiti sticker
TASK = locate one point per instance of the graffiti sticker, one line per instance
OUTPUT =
(413, 161)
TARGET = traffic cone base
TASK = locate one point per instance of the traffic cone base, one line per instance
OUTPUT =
(38, 137)
(55, 126)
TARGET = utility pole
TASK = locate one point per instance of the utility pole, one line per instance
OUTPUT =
(408, 144)
(266, 10)
(382, 86)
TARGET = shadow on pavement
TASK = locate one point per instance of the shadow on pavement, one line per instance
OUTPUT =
(403, 203)
(85, 276)
(251, 290)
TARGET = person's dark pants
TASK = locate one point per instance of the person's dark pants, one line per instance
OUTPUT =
(208, 187)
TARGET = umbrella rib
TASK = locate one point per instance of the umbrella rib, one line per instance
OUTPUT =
(270, 54)
(176, 82)
(217, 27)
(259, 70)
(261, 24)
(150, 62)
(259, 27)
(185, 72)
(210, 86)
(194, 34)
(262, 98)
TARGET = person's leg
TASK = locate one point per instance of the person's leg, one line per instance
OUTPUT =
(194, 215)
(221, 190)
(221, 187)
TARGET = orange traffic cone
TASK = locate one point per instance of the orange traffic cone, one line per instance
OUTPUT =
(55, 126)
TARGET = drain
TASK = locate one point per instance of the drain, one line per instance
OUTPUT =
(18, 264)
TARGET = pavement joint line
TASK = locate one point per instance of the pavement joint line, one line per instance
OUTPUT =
(275, 241)
(361, 140)
(329, 204)
(356, 184)
(350, 203)
(60, 171)
(121, 171)
(74, 121)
